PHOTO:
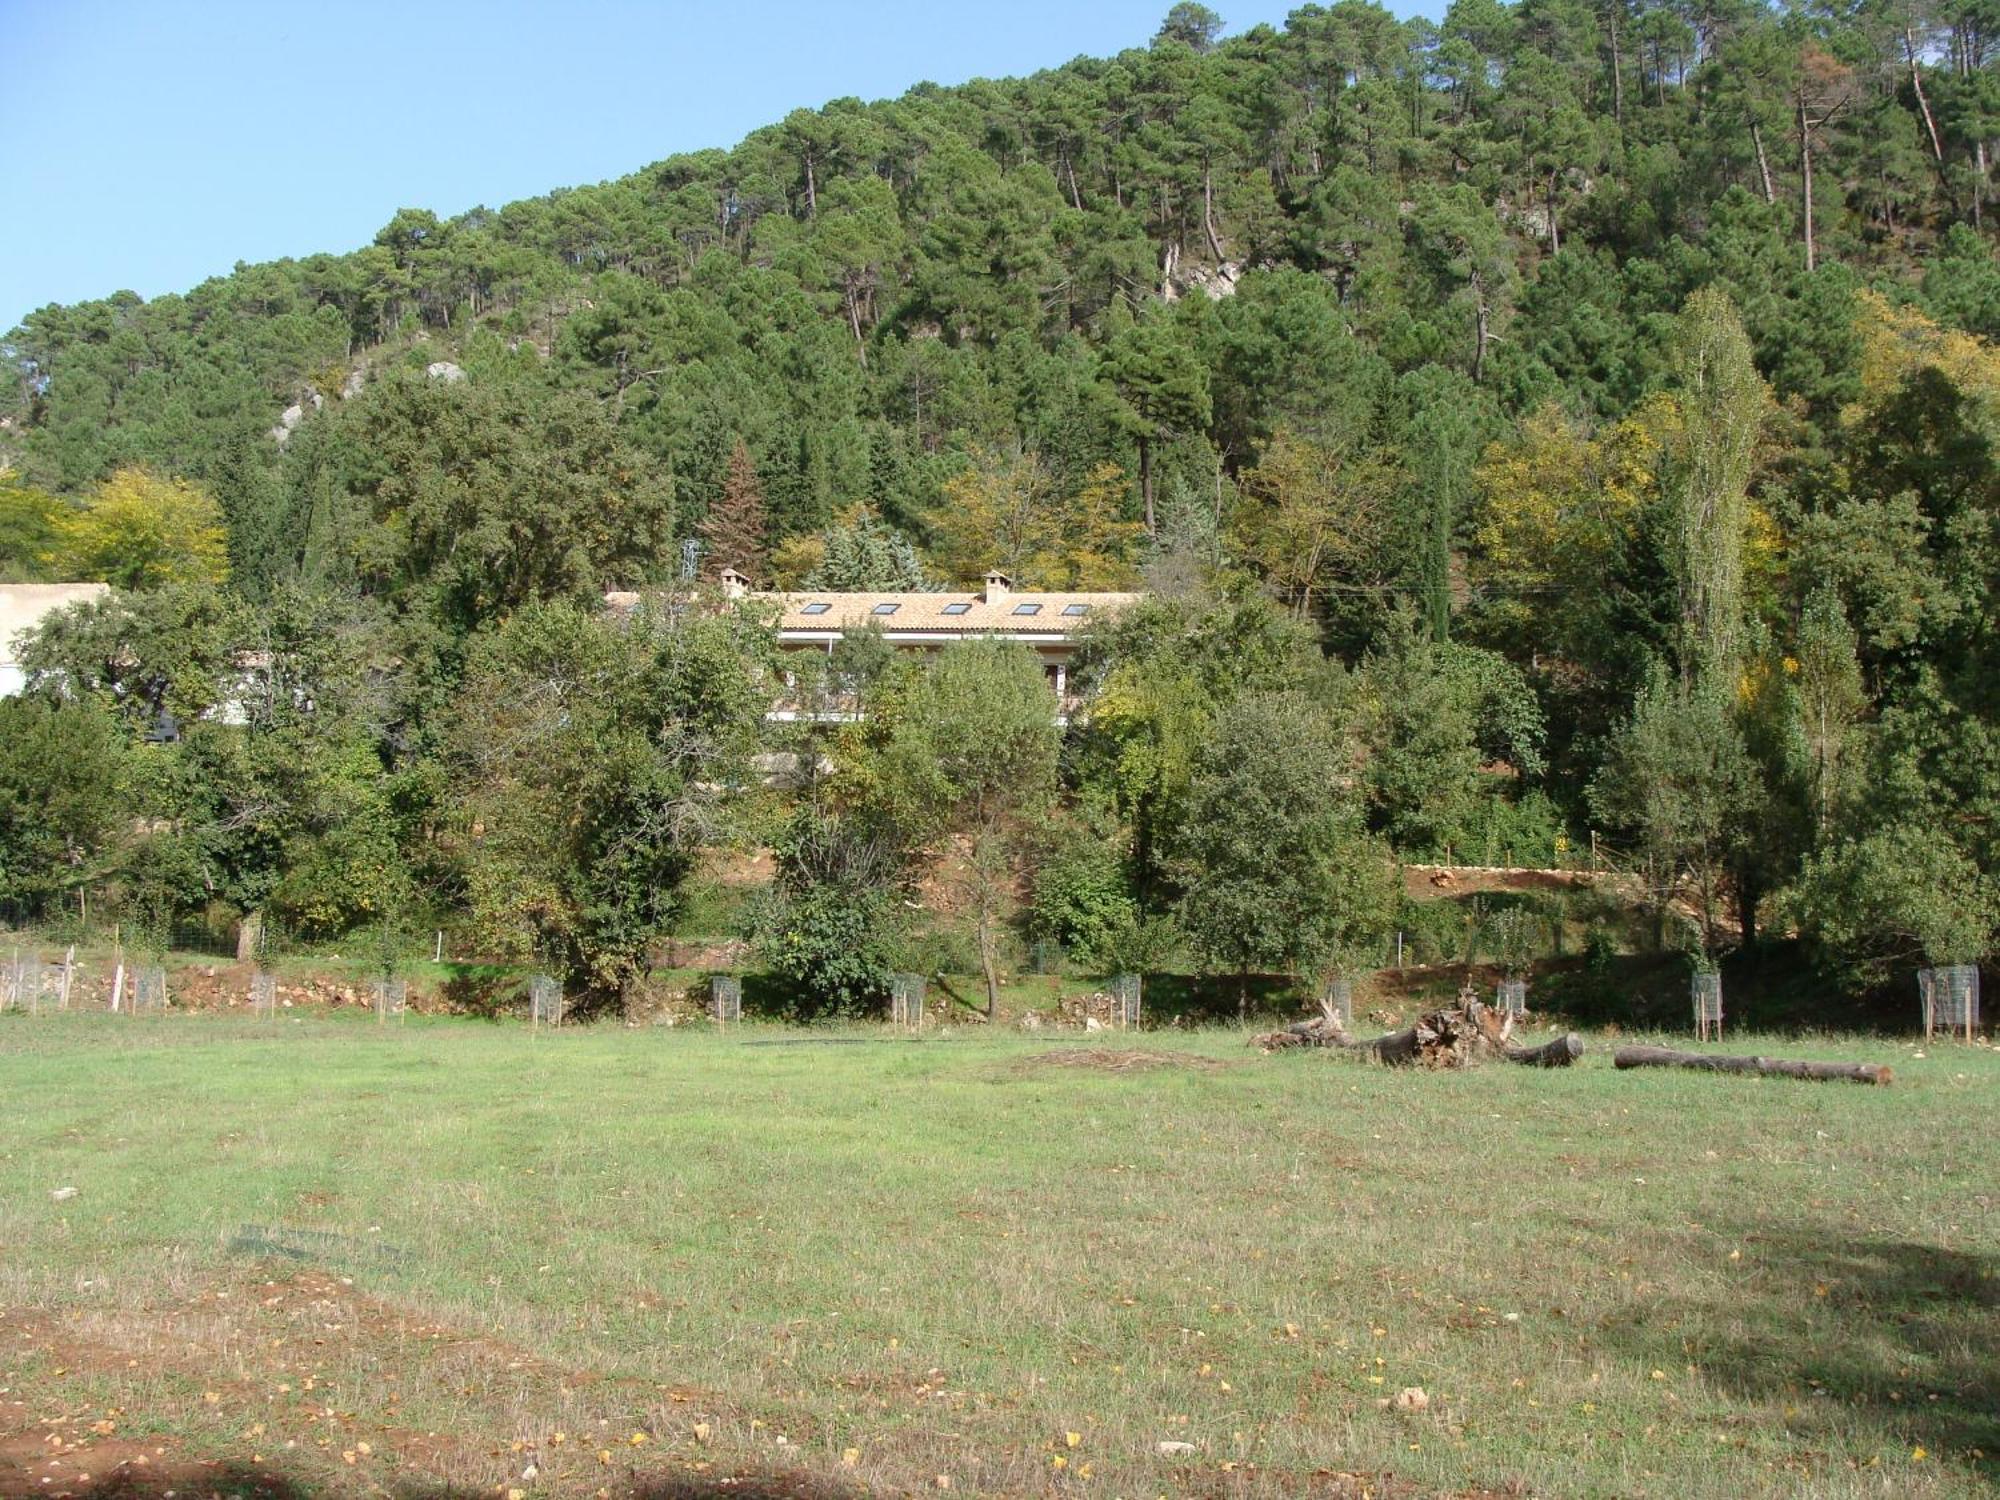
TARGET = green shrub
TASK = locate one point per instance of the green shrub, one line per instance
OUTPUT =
(1083, 900)
(937, 947)
(1508, 830)
(836, 945)
(1600, 953)
(1433, 931)
(831, 924)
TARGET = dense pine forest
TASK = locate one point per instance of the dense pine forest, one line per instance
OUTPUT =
(1573, 420)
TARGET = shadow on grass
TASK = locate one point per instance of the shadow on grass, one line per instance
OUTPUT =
(1772, 987)
(262, 1483)
(1900, 1336)
(1210, 999)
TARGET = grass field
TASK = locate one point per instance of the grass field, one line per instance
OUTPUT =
(451, 1258)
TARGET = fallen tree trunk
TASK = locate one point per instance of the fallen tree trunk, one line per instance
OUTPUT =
(1455, 1037)
(1778, 1067)
(1398, 1049)
(1317, 1032)
(1559, 1053)
(1452, 1038)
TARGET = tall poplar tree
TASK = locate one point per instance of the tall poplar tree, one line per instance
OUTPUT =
(1723, 402)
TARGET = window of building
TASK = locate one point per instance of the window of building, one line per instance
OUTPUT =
(1076, 609)
(957, 609)
(1027, 609)
(815, 609)
(886, 609)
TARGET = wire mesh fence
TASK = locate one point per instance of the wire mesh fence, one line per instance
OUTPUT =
(725, 998)
(545, 1001)
(1125, 997)
(209, 940)
(1045, 956)
(1950, 996)
(149, 989)
(1706, 990)
(392, 997)
(906, 999)
(1338, 996)
(26, 983)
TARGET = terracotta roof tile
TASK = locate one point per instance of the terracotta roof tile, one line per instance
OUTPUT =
(971, 614)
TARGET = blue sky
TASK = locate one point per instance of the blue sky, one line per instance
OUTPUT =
(152, 145)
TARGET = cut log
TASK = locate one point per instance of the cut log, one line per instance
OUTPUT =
(1559, 1053)
(1455, 1037)
(1320, 1031)
(1778, 1067)
(1398, 1049)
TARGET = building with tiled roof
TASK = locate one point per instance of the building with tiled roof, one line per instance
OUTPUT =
(814, 620)
(1050, 622)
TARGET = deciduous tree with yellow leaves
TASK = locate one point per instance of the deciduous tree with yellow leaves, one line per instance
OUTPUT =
(1008, 512)
(1314, 518)
(138, 530)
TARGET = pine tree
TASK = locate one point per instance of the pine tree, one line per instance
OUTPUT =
(733, 532)
(862, 555)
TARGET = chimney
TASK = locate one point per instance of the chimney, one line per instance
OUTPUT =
(997, 584)
(734, 584)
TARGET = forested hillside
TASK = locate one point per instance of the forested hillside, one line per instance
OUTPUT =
(1571, 417)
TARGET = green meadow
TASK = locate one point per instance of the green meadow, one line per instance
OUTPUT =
(456, 1258)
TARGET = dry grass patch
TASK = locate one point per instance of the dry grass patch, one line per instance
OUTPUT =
(1119, 1060)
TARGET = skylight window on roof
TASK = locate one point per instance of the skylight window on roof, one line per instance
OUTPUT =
(957, 608)
(1076, 609)
(1027, 609)
(886, 609)
(815, 608)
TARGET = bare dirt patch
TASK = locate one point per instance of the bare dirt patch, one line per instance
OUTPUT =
(1429, 881)
(1117, 1060)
